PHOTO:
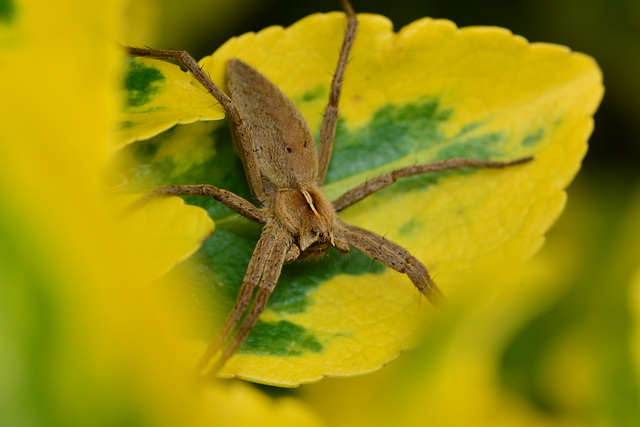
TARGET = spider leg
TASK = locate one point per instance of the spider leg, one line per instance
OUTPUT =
(229, 199)
(382, 181)
(262, 273)
(244, 141)
(394, 256)
(330, 118)
(242, 301)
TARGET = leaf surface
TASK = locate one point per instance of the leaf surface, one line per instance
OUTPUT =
(430, 92)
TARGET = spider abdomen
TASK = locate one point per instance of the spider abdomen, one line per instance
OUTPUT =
(285, 146)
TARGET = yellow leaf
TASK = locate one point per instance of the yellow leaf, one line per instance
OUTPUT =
(429, 92)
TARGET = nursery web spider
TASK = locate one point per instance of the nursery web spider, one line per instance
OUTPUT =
(285, 171)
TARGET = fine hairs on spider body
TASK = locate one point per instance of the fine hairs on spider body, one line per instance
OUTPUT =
(285, 171)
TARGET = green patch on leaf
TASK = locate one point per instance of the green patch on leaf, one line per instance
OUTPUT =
(399, 135)
(319, 92)
(533, 138)
(7, 11)
(141, 82)
(474, 147)
(280, 339)
(299, 279)
(394, 132)
(411, 227)
(222, 263)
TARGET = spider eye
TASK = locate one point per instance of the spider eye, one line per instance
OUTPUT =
(317, 233)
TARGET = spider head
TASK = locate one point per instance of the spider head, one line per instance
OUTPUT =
(309, 216)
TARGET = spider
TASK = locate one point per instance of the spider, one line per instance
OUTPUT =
(285, 171)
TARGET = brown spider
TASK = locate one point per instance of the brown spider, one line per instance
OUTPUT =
(285, 172)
